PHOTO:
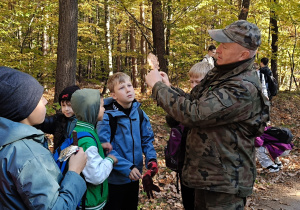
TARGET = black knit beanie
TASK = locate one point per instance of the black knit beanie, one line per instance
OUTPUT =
(20, 93)
(66, 94)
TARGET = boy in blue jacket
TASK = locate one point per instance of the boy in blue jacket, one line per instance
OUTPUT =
(30, 178)
(131, 140)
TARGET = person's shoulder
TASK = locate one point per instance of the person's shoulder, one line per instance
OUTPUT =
(86, 139)
(245, 82)
(205, 58)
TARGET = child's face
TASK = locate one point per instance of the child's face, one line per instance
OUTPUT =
(101, 110)
(38, 115)
(124, 94)
(195, 81)
(66, 108)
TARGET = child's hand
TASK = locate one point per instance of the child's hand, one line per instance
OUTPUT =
(165, 78)
(77, 161)
(107, 147)
(135, 174)
(114, 158)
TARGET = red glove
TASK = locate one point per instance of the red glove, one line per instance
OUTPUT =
(148, 184)
(152, 167)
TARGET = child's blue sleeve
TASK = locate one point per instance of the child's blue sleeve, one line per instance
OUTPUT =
(103, 129)
(147, 139)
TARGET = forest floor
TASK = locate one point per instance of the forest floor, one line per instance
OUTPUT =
(276, 191)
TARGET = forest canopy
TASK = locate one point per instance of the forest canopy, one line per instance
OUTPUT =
(112, 36)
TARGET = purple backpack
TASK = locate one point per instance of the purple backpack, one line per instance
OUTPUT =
(174, 151)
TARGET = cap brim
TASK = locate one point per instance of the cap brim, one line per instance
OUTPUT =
(219, 36)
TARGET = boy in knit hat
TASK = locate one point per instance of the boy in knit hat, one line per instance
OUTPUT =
(30, 179)
(62, 123)
(88, 108)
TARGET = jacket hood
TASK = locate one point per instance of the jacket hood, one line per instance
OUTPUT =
(108, 101)
(86, 105)
(113, 110)
(11, 131)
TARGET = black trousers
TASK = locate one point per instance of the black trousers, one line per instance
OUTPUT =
(188, 196)
(123, 197)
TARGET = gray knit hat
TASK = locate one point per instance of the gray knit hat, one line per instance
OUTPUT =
(20, 93)
(241, 32)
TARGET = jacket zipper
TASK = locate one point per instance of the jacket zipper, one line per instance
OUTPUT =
(132, 138)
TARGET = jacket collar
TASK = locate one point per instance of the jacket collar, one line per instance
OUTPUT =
(85, 125)
(11, 131)
(217, 76)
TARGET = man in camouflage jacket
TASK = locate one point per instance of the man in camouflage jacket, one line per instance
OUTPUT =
(225, 112)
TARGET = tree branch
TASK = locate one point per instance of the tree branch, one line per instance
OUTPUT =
(137, 23)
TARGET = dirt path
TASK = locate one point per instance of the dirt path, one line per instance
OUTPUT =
(276, 191)
(281, 190)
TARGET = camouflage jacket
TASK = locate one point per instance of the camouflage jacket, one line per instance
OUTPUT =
(225, 113)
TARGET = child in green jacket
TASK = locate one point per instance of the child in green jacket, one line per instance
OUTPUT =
(88, 107)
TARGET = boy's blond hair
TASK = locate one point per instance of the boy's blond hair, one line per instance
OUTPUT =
(115, 79)
(200, 69)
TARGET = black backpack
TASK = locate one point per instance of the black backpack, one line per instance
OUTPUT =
(272, 85)
(284, 135)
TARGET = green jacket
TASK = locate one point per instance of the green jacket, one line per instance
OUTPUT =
(225, 113)
(86, 104)
(96, 195)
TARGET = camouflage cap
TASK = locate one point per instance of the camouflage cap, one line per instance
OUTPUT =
(241, 32)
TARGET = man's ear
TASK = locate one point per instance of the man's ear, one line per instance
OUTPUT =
(245, 55)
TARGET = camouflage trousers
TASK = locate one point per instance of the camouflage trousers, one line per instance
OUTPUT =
(209, 200)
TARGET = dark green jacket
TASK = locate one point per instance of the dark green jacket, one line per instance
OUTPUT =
(225, 113)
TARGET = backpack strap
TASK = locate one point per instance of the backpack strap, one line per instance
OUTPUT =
(113, 122)
(69, 141)
(83, 134)
(113, 126)
(141, 116)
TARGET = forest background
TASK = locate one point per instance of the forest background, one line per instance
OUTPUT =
(61, 42)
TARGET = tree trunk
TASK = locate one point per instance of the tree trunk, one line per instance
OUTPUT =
(107, 35)
(67, 45)
(168, 34)
(45, 45)
(158, 34)
(244, 10)
(119, 49)
(133, 58)
(143, 52)
(274, 45)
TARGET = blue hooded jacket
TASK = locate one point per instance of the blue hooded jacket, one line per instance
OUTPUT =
(30, 179)
(128, 144)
